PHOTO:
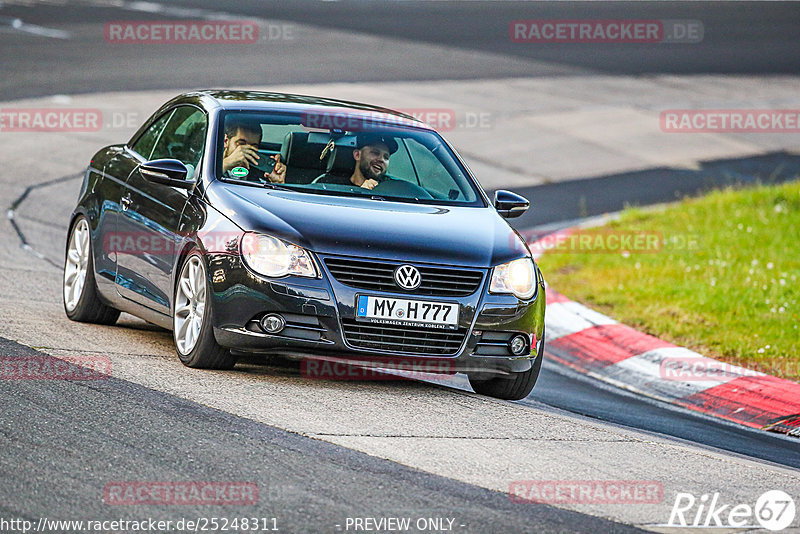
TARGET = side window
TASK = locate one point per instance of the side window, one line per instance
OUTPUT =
(183, 137)
(400, 164)
(144, 145)
(433, 174)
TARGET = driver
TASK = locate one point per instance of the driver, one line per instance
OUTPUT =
(241, 149)
(372, 159)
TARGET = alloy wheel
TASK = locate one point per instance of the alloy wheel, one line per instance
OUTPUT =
(76, 265)
(190, 303)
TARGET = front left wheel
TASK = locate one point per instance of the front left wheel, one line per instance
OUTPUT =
(81, 302)
(192, 329)
(517, 386)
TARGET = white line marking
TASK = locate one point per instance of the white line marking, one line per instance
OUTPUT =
(146, 7)
(19, 25)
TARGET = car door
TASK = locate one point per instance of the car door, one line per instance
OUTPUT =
(116, 173)
(151, 222)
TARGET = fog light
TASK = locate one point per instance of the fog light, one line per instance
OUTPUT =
(518, 344)
(273, 323)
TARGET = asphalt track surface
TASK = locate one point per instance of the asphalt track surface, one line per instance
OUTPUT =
(746, 37)
(739, 37)
(115, 430)
(185, 439)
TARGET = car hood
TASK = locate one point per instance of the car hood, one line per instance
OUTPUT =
(348, 226)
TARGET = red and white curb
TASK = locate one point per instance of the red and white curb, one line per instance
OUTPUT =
(593, 344)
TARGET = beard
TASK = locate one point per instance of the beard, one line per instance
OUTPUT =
(368, 173)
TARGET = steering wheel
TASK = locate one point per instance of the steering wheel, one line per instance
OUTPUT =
(400, 188)
(392, 187)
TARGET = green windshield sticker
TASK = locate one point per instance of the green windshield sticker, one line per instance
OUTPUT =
(239, 172)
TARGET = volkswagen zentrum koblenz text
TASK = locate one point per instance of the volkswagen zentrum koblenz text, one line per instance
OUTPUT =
(263, 223)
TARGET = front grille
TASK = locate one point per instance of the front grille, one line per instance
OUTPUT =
(410, 340)
(379, 276)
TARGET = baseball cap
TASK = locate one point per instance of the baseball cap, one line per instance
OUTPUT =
(373, 139)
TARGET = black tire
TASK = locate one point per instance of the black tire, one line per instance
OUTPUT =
(514, 387)
(205, 352)
(89, 308)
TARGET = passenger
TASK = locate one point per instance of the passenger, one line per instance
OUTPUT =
(241, 150)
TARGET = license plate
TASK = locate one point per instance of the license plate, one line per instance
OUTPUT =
(404, 312)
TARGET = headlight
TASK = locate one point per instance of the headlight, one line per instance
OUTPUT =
(273, 257)
(517, 277)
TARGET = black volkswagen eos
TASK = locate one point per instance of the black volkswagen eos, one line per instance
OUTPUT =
(306, 227)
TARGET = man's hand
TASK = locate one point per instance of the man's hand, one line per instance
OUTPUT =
(242, 156)
(278, 174)
(369, 184)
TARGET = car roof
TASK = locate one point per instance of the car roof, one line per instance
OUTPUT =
(269, 101)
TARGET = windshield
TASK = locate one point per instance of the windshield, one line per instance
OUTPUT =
(312, 153)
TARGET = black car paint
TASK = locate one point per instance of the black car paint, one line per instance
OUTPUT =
(144, 284)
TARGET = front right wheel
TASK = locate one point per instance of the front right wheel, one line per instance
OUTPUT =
(516, 386)
(192, 329)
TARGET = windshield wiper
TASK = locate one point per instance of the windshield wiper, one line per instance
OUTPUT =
(270, 185)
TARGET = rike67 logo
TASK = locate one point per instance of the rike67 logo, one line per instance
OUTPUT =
(774, 510)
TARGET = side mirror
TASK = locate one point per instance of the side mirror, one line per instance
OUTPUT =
(166, 171)
(510, 205)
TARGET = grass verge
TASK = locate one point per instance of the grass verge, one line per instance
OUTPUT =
(718, 274)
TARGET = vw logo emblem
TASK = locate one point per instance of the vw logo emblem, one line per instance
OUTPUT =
(407, 277)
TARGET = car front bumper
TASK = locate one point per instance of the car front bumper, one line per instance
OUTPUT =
(319, 315)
